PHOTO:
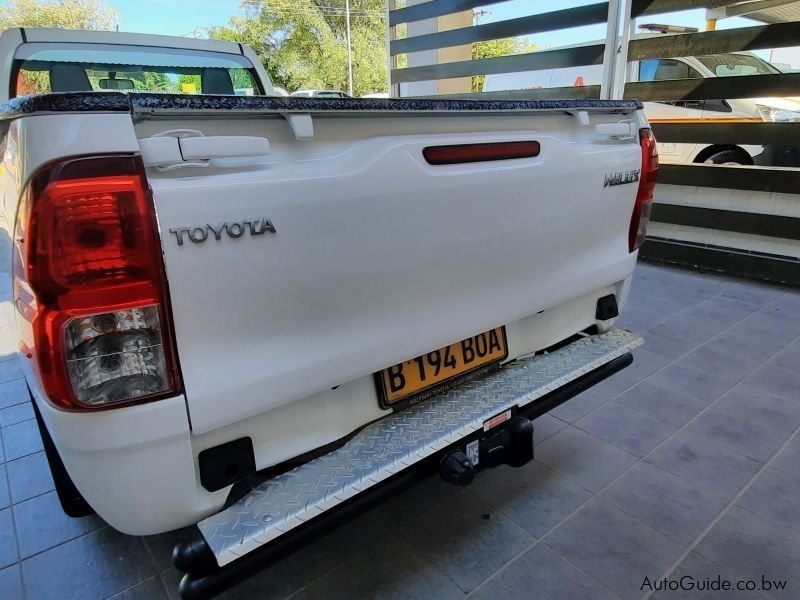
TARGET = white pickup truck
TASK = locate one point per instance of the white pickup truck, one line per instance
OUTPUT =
(256, 314)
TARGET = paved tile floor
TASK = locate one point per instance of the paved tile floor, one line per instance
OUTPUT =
(686, 463)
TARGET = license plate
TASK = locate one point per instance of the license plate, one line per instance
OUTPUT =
(440, 367)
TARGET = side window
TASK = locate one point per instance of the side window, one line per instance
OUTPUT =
(660, 69)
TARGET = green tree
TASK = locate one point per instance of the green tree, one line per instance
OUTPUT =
(69, 14)
(303, 43)
(495, 48)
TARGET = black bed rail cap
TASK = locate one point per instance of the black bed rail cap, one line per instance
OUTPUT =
(145, 103)
(177, 102)
(65, 102)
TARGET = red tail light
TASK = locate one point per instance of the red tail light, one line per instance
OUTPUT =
(469, 153)
(644, 197)
(89, 283)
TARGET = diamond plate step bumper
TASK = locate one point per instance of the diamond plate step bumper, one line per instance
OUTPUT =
(400, 440)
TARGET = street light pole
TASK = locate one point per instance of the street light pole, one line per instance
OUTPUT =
(349, 50)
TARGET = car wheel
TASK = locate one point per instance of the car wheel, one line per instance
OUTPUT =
(726, 157)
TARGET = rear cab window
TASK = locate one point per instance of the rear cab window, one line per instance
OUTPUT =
(74, 67)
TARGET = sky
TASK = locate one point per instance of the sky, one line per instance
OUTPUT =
(173, 17)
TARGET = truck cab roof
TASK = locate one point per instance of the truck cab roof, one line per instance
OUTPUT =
(57, 60)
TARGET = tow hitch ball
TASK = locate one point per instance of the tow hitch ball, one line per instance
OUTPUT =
(511, 445)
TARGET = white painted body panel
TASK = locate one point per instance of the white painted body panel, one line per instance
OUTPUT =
(377, 257)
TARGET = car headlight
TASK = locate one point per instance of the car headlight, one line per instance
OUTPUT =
(777, 115)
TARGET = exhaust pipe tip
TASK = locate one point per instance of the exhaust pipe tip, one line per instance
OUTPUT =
(194, 556)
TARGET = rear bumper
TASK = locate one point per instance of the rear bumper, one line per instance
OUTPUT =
(138, 466)
(390, 446)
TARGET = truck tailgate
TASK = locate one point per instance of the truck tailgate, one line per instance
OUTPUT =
(377, 256)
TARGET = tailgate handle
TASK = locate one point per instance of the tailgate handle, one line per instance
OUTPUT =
(622, 130)
(222, 146)
(179, 148)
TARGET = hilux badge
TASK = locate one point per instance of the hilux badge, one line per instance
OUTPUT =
(234, 229)
(621, 177)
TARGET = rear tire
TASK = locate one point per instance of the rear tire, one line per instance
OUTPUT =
(72, 502)
(727, 157)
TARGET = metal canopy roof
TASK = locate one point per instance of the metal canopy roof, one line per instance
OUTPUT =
(766, 11)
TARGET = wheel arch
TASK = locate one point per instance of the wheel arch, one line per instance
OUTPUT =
(710, 151)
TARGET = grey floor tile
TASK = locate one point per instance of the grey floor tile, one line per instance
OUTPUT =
(2, 451)
(73, 570)
(725, 425)
(664, 340)
(672, 506)
(28, 477)
(588, 460)
(789, 357)
(535, 497)
(388, 569)
(149, 589)
(295, 571)
(636, 319)
(723, 361)
(762, 407)
(698, 577)
(776, 380)
(13, 392)
(16, 414)
(467, 539)
(686, 377)
(760, 335)
(613, 547)
(721, 311)
(697, 323)
(660, 304)
(774, 322)
(21, 439)
(626, 428)
(5, 495)
(751, 546)
(41, 524)
(705, 463)
(11, 583)
(171, 578)
(645, 363)
(774, 496)
(540, 573)
(768, 329)
(585, 402)
(663, 402)
(416, 500)
(8, 542)
(546, 426)
(654, 278)
(10, 369)
(688, 293)
(788, 460)
(755, 294)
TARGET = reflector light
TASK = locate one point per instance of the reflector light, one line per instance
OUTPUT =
(644, 196)
(89, 279)
(467, 153)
